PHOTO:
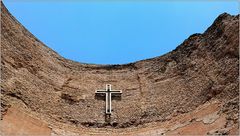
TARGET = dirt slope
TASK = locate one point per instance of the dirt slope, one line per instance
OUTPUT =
(60, 93)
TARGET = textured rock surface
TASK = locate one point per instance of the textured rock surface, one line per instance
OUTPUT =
(17, 122)
(204, 68)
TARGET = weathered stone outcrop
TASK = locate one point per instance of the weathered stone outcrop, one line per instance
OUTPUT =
(204, 68)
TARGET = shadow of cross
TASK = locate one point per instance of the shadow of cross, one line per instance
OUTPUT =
(108, 93)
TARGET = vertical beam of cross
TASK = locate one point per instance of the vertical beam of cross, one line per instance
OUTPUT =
(108, 97)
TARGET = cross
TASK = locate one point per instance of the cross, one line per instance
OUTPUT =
(108, 93)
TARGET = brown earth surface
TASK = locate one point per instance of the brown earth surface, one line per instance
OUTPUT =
(193, 90)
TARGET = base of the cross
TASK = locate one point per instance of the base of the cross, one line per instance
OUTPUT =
(108, 118)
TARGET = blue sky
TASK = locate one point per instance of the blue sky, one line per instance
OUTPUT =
(107, 32)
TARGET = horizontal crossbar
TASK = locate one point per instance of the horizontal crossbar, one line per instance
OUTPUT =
(104, 91)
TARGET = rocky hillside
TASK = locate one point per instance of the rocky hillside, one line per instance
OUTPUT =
(202, 70)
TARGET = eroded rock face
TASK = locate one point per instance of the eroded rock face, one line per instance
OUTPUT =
(18, 123)
(203, 68)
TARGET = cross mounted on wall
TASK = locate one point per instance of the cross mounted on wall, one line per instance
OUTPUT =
(108, 93)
